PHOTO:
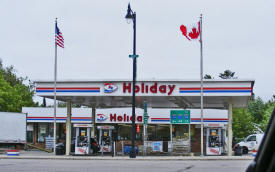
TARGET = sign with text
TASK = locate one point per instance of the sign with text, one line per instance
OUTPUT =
(145, 114)
(180, 116)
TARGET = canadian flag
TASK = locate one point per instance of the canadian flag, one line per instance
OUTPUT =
(191, 32)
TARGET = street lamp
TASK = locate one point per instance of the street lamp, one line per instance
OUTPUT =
(132, 16)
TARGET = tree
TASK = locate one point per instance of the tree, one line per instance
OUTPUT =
(242, 123)
(206, 76)
(253, 119)
(269, 107)
(227, 74)
(14, 94)
(9, 100)
(257, 109)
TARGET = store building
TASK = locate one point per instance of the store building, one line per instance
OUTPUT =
(170, 94)
(159, 128)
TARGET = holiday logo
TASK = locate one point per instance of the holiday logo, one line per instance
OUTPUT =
(101, 117)
(109, 88)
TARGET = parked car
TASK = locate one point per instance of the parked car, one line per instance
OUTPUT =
(250, 143)
(61, 147)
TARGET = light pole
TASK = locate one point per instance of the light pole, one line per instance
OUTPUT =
(132, 16)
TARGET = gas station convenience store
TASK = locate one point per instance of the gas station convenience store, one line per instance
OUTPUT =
(110, 99)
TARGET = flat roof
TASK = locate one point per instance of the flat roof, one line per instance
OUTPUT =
(159, 93)
(148, 80)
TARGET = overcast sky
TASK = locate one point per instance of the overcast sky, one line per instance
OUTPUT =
(237, 35)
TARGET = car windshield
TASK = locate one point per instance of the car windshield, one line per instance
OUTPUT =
(250, 138)
(245, 140)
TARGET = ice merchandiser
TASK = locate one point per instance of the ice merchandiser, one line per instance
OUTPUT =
(215, 141)
(83, 137)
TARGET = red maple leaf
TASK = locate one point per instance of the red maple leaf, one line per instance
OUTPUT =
(184, 31)
(194, 34)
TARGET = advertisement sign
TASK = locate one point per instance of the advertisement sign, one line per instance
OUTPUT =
(157, 146)
(43, 130)
(81, 150)
(213, 151)
(180, 116)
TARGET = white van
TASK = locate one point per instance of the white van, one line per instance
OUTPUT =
(251, 142)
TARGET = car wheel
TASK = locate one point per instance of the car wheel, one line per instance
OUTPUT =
(245, 150)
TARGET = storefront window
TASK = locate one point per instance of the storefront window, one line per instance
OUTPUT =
(44, 130)
(158, 132)
(180, 132)
(125, 130)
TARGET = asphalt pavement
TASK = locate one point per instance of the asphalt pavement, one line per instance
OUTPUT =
(36, 165)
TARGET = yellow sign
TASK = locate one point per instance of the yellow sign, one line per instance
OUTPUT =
(83, 133)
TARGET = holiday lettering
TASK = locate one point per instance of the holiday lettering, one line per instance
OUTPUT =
(143, 88)
(124, 118)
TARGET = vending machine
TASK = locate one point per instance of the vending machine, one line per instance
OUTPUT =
(215, 137)
(82, 139)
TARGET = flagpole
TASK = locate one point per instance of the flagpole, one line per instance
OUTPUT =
(201, 68)
(55, 75)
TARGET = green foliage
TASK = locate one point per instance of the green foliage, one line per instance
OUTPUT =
(228, 74)
(257, 115)
(257, 109)
(206, 76)
(9, 100)
(242, 123)
(267, 114)
(13, 93)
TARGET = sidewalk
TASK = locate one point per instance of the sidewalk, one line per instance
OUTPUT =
(45, 155)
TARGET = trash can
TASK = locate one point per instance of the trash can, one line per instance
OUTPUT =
(238, 151)
(60, 149)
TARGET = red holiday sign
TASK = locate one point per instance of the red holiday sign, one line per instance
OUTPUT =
(144, 88)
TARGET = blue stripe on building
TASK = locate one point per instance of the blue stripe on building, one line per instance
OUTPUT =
(64, 91)
(216, 91)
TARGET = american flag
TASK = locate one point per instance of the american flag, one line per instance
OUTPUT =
(59, 40)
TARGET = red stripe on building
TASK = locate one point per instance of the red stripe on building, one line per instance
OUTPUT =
(214, 119)
(60, 117)
(160, 118)
(69, 88)
(217, 88)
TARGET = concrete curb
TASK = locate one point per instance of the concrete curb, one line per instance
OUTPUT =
(139, 158)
